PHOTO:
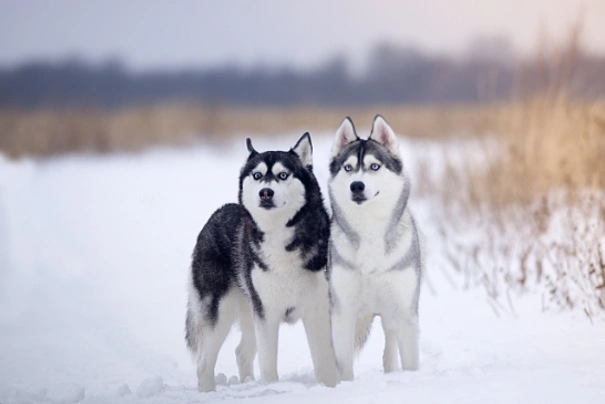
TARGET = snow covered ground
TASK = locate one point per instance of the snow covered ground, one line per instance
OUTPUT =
(94, 254)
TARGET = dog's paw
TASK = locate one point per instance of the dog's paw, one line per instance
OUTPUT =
(205, 386)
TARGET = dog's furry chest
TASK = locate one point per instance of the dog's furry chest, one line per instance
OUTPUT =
(375, 268)
(284, 281)
(272, 251)
(372, 252)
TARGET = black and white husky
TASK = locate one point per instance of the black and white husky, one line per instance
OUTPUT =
(375, 255)
(260, 263)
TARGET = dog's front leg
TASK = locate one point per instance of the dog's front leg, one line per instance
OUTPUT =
(343, 332)
(344, 296)
(267, 332)
(319, 336)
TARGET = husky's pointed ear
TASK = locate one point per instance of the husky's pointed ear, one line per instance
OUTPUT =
(304, 150)
(345, 134)
(250, 148)
(383, 134)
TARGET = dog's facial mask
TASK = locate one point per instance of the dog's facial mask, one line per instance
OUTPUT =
(271, 182)
(363, 169)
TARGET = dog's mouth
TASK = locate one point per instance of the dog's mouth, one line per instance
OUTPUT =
(266, 204)
(360, 198)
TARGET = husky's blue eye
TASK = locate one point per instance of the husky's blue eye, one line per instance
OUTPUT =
(283, 175)
(374, 166)
(257, 175)
(348, 167)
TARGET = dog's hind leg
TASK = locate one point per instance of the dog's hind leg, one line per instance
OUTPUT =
(390, 360)
(408, 342)
(363, 326)
(246, 350)
(213, 337)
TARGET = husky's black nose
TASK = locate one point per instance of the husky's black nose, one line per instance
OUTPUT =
(266, 194)
(357, 187)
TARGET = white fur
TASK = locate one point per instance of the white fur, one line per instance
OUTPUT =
(370, 288)
(287, 284)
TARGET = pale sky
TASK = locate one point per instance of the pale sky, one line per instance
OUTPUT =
(149, 34)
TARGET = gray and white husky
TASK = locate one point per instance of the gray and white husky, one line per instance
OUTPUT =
(375, 255)
(260, 263)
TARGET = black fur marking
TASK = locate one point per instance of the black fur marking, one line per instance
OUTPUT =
(311, 235)
(391, 237)
(412, 255)
(336, 258)
(334, 302)
(360, 148)
(250, 147)
(338, 161)
(251, 237)
(190, 336)
(213, 267)
(258, 261)
(341, 221)
(390, 161)
(418, 267)
(268, 177)
(412, 258)
(287, 314)
(227, 247)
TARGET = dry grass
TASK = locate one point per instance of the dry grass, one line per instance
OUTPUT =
(544, 144)
(535, 212)
(48, 133)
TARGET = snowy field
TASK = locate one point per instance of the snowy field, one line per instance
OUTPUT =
(94, 255)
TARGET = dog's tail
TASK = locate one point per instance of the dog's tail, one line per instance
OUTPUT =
(362, 330)
(193, 326)
(191, 333)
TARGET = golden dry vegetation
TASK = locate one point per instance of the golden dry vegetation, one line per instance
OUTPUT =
(536, 146)
(47, 133)
(537, 206)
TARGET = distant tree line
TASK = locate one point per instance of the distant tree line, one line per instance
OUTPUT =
(393, 74)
